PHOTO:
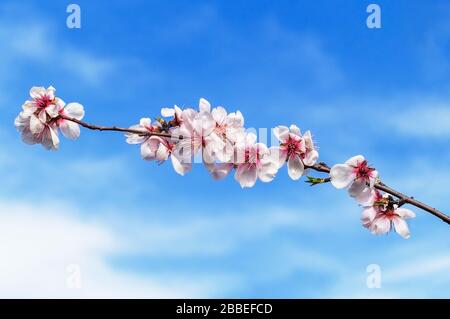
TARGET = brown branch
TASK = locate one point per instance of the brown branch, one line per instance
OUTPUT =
(322, 167)
(115, 128)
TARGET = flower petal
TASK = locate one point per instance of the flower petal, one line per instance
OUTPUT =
(50, 139)
(366, 197)
(180, 168)
(373, 178)
(70, 129)
(380, 225)
(219, 171)
(162, 153)
(405, 213)
(219, 115)
(167, 112)
(294, 129)
(401, 227)
(29, 108)
(50, 92)
(311, 158)
(355, 160)
(52, 110)
(295, 167)
(357, 188)
(145, 122)
(281, 133)
(341, 175)
(368, 215)
(278, 155)
(36, 125)
(37, 92)
(29, 138)
(75, 110)
(204, 105)
(268, 171)
(246, 175)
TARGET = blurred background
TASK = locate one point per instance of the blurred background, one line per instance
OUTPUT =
(94, 220)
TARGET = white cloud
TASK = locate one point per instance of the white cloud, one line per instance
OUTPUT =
(434, 266)
(187, 233)
(39, 242)
(38, 42)
(424, 121)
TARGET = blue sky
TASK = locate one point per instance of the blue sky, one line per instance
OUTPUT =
(136, 229)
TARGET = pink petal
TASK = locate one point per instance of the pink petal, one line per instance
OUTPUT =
(70, 129)
(342, 175)
(357, 188)
(311, 158)
(37, 92)
(295, 167)
(278, 155)
(246, 175)
(52, 110)
(380, 225)
(180, 168)
(405, 213)
(75, 110)
(204, 105)
(366, 197)
(219, 115)
(401, 227)
(294, 129)
(281, 133)
(267, 171)
(219, 171)
(36, 125)
(355, 160)
(50, 139)
(368, 215)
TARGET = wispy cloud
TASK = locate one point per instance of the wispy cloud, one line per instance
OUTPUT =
(42, 241)
(37, 42)
(423, 121)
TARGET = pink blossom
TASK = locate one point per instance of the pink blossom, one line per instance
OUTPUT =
(253, 162)
(43, 103)
(147, 147)
(294, 148)
(164, 148)
(380, 216)
(69, 129)
(174, 112)
(356, 175)
(198, 132)
(157, 148)
(227, 127)
(41, 118)
(219, 170)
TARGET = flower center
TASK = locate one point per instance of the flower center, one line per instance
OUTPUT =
(390, 214)
(293, 146)
(252, 156)
(221, 130)
(363, 171)
(43, 101)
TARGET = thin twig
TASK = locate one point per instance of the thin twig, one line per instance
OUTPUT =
(116, 129)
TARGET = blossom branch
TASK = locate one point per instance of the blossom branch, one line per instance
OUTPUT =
(322, 167)
(225, 146)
